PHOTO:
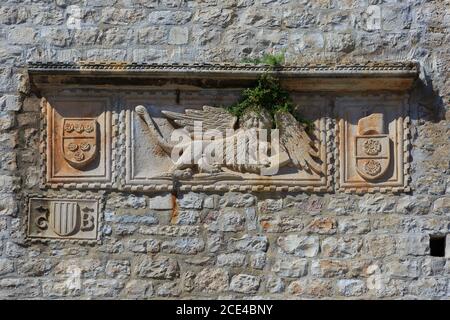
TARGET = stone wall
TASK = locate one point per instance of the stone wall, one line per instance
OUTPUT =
(231, 245)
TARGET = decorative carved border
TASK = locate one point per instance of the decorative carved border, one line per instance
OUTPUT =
(406, 157)
(68, 196)
(77, 185)
(124, 184)
(211, 67)
(354, 77)
(326, 133)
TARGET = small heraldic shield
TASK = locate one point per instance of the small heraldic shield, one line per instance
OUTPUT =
(64, 217)
(372, 147)
(79, 141)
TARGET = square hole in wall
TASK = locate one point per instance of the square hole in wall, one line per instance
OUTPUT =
(437, 245)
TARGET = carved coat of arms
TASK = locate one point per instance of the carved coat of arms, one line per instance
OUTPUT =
(372, 147)
(295, 146)
(79, 141)
(65, 218)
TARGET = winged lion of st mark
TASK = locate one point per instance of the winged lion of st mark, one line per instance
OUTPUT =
(296, 147)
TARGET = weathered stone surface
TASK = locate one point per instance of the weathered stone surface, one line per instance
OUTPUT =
(168, 289)
(102, 287)
(169, 17)
(237, 200)
(58, 289)
(281, 223)
(251, 219)
(138, 289)
(178, 35)
(19, 288)
(212, 280)
(245, 283)
(403, 268)
(345, 247)
(161, 202)
(143, 246)
(380, 245)
(290, 267)
(130, 201)
(329, 268)
(183, 246)
(119, 269)
(186, 217)
(7, 121)
(275, 284)
(249, 243)
(354, 225)
(432, 266)
(35, 267)
(376, 204)
(6, 266)
(270, 205)
(441, 205)
(9, 102)
(413, 244)
(351, 287)
(227, 220)
(89, 268)
(22, 36)
(188, 281)
(302, 246)
(322, 226)
(432, 287)
(413, 205)
(258, 260)
(9, 139)
(158, 267)
(231, 260)
(191, 201)
(311, 288)
(8, 205)
(170, 231)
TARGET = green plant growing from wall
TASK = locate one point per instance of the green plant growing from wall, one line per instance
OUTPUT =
(267, 94)
(273, 60)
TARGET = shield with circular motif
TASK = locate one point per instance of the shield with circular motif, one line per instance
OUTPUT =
(64, 217)
(79, 141)
(373, 155)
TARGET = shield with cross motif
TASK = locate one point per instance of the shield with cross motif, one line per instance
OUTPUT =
(79, 141)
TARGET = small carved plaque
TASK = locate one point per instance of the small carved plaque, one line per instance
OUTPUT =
(373, 144)
(77, 148)
(54, 218)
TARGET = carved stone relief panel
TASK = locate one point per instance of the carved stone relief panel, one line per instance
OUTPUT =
(95, 113)
(373, 142)
(152, 118)
(78, 143)
(63, 218)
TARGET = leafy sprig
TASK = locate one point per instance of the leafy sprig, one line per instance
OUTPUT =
(268, 93)
(273, 60)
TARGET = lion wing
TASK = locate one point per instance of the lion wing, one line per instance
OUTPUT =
(212, 118)
(297, 143)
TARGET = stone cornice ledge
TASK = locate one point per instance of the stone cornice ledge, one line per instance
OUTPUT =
(390, 76)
